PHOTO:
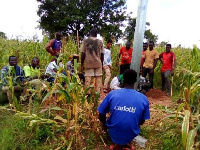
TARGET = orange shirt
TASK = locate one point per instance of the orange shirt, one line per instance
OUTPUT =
(168, 60)
(150, 56)
(126, 55)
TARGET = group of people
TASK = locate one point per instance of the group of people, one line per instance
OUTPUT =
(30, 75)
(149, 61)
(147, 66)
(127, 107)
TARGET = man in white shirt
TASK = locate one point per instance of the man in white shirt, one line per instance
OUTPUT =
(107, 63)
(52, 69)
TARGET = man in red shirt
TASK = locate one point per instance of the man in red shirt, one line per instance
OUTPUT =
(126, 53)
(168, 60)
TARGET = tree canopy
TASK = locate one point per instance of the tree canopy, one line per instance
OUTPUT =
(130, 30)
(3, 35)
(71, 16)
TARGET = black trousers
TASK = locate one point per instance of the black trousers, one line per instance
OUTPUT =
(123, 68)
(146, 71)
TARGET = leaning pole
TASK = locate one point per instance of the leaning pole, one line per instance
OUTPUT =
(138, 37)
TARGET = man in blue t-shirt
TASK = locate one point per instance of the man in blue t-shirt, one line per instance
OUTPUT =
(128, 110)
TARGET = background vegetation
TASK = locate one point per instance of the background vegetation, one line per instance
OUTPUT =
(64, 118)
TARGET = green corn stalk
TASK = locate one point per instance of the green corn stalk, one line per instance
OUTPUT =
(185, 127)
(191, 138)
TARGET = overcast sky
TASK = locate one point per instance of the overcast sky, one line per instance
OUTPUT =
(176, 21)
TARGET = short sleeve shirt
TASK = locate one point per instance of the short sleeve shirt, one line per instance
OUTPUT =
(92, 47)
(127, 109)
(126, 55)
(150, 56)
(107, 57)
(168, 60)
(50, 68)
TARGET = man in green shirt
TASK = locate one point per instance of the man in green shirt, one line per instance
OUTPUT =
(32, 71)
(33, 75)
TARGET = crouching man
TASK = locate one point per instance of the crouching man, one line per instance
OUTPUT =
(128, 110)
(12, 78)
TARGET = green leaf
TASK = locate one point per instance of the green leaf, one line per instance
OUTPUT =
(85, 93)
(185, 127)
(65, 93)
(60, 119)
(191, 138)
(47, 95)
(56, 108)
(180, 107)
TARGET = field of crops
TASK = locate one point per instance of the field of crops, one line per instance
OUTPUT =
(63, 118)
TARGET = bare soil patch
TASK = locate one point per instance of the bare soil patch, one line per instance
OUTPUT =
(155, 97)
(158, 97)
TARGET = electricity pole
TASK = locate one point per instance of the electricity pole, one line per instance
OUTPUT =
(138, 37)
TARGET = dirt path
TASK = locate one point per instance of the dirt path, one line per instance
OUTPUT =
(155, 97)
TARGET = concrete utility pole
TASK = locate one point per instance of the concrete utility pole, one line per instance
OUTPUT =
(138, 37)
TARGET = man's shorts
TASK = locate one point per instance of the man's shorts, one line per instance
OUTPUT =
(93, 72)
